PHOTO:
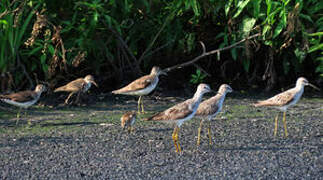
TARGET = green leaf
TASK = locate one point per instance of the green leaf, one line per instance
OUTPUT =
(256, 8)
(227, 7)
(194, 5)
(306, 17)
(315, 48)
(246, 65)
(300, 55)
(265, 30)
(51, 49)
(316, 34)
(280, 27)
(234, 53)
(43, 59)
(241, 5)
(35, 50)
(247, 25)
(269, 3)
(220, 35)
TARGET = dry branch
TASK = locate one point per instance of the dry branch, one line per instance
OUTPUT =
(204, 53)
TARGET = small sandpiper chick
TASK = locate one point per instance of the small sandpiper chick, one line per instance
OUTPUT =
(23, 99)
(142, 86)
(128, 120)
(210, 108)
(77, 86)
(286, 99)
(181, 112)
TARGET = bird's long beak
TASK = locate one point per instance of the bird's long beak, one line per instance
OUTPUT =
(314, 87)
(94, 83)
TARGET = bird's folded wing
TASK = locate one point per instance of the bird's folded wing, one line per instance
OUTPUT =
(20, 96)
(179, 111)
(208, 107)
(75, 85)
(280, 99)
(138, 84)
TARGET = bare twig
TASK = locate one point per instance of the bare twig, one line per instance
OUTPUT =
(159, 48)
(4, 13)
(31, 83)
(124, 44)
(154, 40)
(199, 67)
(204, 53)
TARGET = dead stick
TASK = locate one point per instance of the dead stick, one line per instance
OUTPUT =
(204, 53)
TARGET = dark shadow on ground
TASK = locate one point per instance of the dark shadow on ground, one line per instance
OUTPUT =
(69, 124)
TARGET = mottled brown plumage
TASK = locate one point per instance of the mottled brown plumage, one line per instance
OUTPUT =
(77, 86)
(181, 112)
(285, 99)
(128, 120)
(23, 99)
(210, 108)
(22, 96)
(279, 100)
(142, 86)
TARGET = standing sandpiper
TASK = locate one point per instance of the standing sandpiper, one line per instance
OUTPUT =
(23, 99)
(77, 86)
(142, 86)
(210, 108)
(181, 112)
(128, 120)
(285, 99)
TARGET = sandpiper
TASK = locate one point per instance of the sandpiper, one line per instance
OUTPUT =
(128, 120)
(23, 99)
(142, 86)
(77, 86)
(286, 99)
(181, 112)
(210, 108)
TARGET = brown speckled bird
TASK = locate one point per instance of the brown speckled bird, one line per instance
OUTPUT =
(128, 120)
(286, 99)
(210, 108)
(181, 112)
(23, 99)
(77, 86)
(142, 86)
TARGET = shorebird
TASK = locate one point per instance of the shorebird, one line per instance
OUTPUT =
(286, 99)
(142, 86)
(77, 86)
(181, 112)
(210, 108)
(23, 99)
(128, 120)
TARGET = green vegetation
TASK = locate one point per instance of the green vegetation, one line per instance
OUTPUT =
(49, 41)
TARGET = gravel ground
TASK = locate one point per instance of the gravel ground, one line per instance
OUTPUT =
(88, 143)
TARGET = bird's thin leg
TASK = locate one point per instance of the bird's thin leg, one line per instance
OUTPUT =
(129, 129)
(276, 125)
(132, 129)
(285, 126)
(18, 116)
(29, 121)
(174, 138)
(142, 105)
(69, 96)
(199, 133)
(179, 147)
(78, 97)
(139, 104)
(209, 132)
